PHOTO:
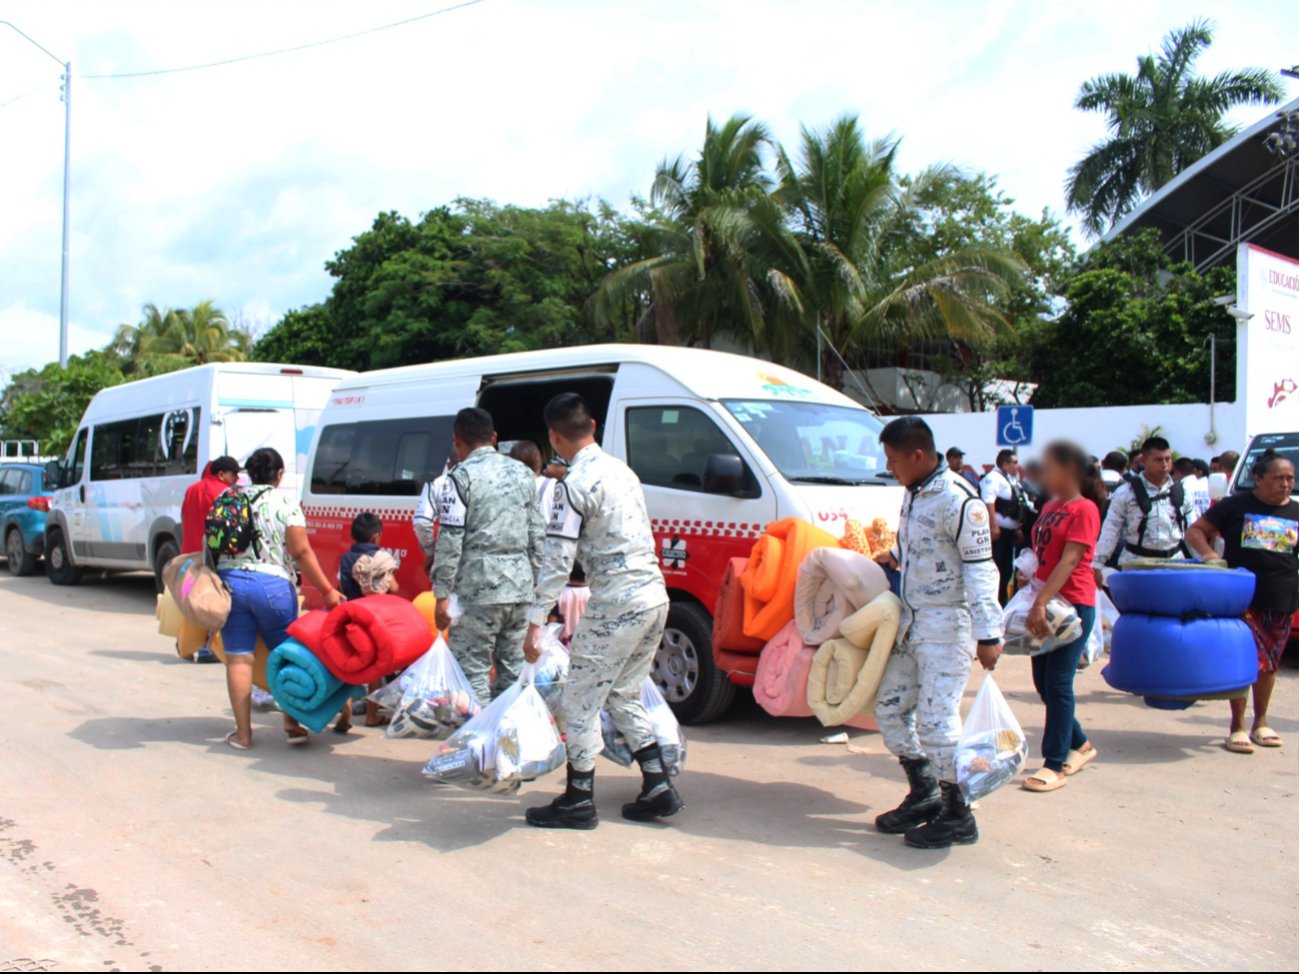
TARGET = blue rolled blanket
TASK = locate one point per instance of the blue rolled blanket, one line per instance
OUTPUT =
(304, 688)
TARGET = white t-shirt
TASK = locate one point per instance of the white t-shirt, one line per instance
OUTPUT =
(546, 497)
(1196, 489)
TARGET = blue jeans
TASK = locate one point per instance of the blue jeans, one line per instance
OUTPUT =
(259, 604)
(1053, 675)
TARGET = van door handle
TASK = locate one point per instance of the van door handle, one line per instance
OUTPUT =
(82, 490)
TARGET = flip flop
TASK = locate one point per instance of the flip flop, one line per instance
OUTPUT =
(230, 739)
(1077, 760)
(1265, 736)
(301, 737)
(1238, 743)
(1044, 780)
(381, 722)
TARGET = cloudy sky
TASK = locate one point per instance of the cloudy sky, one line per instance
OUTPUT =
(236, 183)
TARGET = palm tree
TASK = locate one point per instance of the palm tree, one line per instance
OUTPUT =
(829, 245)
(167, 339)
(698, 283)
(1161, 119)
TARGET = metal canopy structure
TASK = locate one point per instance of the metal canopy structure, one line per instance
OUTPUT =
(1243, 191)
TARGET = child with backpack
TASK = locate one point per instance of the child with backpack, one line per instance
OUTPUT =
(257, 538)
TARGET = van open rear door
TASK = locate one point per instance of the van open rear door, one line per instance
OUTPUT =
(247, 430)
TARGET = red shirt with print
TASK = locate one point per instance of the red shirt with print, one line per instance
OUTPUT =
(1057, 525)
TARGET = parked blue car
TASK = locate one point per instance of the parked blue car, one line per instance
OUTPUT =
(23, 505)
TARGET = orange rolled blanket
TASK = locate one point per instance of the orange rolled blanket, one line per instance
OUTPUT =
(728, 613)
(771, 575)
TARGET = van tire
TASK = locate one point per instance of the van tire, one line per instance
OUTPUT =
(684, 668)
(167, 550)
(59, 568)
(21, 561)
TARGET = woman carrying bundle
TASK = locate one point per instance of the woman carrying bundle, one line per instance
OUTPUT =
(1064, 538)
(263, 598)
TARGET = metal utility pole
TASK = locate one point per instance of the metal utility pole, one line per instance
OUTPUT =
(67, 178)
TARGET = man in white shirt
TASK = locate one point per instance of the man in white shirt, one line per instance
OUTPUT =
(1001, 490)
(1195, 487)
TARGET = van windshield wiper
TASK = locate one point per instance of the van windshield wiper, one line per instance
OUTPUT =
(838, 481)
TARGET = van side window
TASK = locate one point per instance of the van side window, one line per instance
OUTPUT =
(385, 458)
(77, 459)
(178, 453)
(669, 446)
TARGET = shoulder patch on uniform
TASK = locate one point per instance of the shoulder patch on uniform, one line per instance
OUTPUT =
(451, 506)
(973, 532)
(565, 520)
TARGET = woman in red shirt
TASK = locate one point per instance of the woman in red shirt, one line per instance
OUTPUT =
(1064, 538)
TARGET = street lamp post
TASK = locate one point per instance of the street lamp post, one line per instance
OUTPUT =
(67, 178)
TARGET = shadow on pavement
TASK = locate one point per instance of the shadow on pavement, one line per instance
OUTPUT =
(125, 733)
(140, 656)
(129, 593)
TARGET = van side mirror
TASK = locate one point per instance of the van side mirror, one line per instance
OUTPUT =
(52, 478)
(724, 474)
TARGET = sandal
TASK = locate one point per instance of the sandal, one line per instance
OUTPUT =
(1077, 760)
(1044, 779)
(299, 735)
(343, 727)
(1238, 743)
(231, 739)
(1265, 736)
(382, 721)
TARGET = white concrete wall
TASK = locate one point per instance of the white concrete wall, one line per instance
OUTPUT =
(1099, 430)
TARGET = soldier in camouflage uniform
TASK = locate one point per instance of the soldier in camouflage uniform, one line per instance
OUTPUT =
(488, 550)
(599, 517)
(949, 600)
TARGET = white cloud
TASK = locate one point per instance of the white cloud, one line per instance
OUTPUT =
(237, 183)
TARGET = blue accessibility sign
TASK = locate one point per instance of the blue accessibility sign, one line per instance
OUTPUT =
(1014, 425)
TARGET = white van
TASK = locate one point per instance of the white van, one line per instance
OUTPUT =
(723, 444)
(141, 444)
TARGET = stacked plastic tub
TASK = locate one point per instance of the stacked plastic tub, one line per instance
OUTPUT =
(1180, 636)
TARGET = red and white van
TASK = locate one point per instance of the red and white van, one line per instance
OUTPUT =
(723, 444)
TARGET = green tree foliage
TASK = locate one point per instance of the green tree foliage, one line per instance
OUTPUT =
(472, 278)
(166, 339)
(46, 404)
(1135, 331)
(1160, 119)
(696, 280)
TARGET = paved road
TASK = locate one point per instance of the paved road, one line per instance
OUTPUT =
(131, 839)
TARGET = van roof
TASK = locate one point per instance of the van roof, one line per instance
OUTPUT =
(706, 373)
(240, 368)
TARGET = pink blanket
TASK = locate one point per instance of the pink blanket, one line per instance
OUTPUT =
(780, 684)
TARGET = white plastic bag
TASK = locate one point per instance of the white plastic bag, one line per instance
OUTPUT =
(667, 731)
(1098, 641)
(551, 672)
(992, 747)
(512, 740)
(436, 697)
(1061, 619)
(454, 612)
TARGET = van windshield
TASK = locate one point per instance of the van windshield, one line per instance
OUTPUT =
(1286, 444)
(815, 443)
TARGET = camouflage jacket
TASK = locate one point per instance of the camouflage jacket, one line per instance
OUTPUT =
(949, 580)
(599, 518)
(490, 531)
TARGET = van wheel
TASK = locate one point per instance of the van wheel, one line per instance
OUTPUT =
(21, 561)
(166, 552)
(58, 565)
(684, 669)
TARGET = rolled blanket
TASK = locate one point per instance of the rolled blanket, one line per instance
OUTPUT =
(832, 584)
(771, 575)
(308, 629)
(846, 671)
(780, 685)
(728, 613)
(363, 640)
(303, 688)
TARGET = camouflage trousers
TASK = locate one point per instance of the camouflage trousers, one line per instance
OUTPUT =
(486, 635)
(608, 661)
(919, 703)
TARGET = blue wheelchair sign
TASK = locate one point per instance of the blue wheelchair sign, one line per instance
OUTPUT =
(1014, 425)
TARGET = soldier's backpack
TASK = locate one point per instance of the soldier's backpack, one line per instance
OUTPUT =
(229, 529)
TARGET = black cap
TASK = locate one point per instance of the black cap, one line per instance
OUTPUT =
(225, 465)
(955, 451)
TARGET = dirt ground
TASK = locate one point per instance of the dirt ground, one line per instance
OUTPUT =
(132, 839)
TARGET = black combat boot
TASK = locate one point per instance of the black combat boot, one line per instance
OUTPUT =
(922, 804)
(955, 826)
(574, 809)
(657, 798)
